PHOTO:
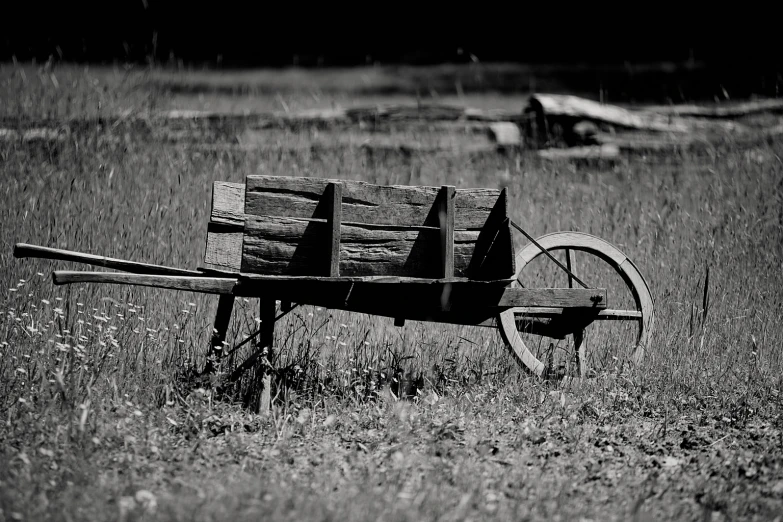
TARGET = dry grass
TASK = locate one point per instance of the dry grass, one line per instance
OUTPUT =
(102, 419)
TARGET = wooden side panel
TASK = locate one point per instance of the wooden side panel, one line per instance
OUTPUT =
(290, 246)
(228, 203)
(364, 202)
(224, 247)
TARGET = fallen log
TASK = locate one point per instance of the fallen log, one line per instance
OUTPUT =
(735, 110)
(594, 152)
(505, 134)
(548, 107)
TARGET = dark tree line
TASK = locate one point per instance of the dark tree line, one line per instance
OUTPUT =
(232, 34)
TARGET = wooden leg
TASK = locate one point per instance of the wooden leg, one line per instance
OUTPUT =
(222, 318)
(265, 339)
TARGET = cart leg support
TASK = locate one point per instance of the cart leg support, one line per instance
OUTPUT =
(265, 339)
(222, 318)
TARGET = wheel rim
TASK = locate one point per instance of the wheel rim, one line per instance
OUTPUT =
(643, 314)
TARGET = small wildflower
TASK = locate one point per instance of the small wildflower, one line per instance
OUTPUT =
(45, 301)
(40, 274)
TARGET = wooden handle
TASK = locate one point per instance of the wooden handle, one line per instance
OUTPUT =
(22, 250)
(206, 285)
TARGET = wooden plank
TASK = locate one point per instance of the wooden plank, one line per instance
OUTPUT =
(408, 299)
(593, 298)
(223, 247)
(272, 278)
(446, 225)
(207, 285)
(493, 257)
(334, 195)
(228, 203)
(23, 250)
(289, 246)
(363, 202)
(607, 314)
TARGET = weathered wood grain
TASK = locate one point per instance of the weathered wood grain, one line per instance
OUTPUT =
(228, 203)
(446, 225)
(334, 194)
(224, 247)
(23, 250)
(207, 285)
(594, 298)
(287, 196)
(606, 314)
(290, 246)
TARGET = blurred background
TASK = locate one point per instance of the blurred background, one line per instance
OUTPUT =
(709, 51)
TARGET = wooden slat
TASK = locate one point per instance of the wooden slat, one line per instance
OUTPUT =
(289, 246)
(409, 298)
(23, 250)
(334, 195)
(228, 203)
(207, 285)
(554, 297)
(299, 197)
(446, 225)
(607, 314)
(270, 278)
(224, 247)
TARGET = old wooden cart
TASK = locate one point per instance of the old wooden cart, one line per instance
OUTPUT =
(436, 254)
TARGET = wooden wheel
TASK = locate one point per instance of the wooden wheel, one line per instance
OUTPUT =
(603, 263)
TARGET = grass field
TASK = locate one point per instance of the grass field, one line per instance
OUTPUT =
(101, 416)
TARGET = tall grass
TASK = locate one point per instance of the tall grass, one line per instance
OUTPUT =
(79, 356)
